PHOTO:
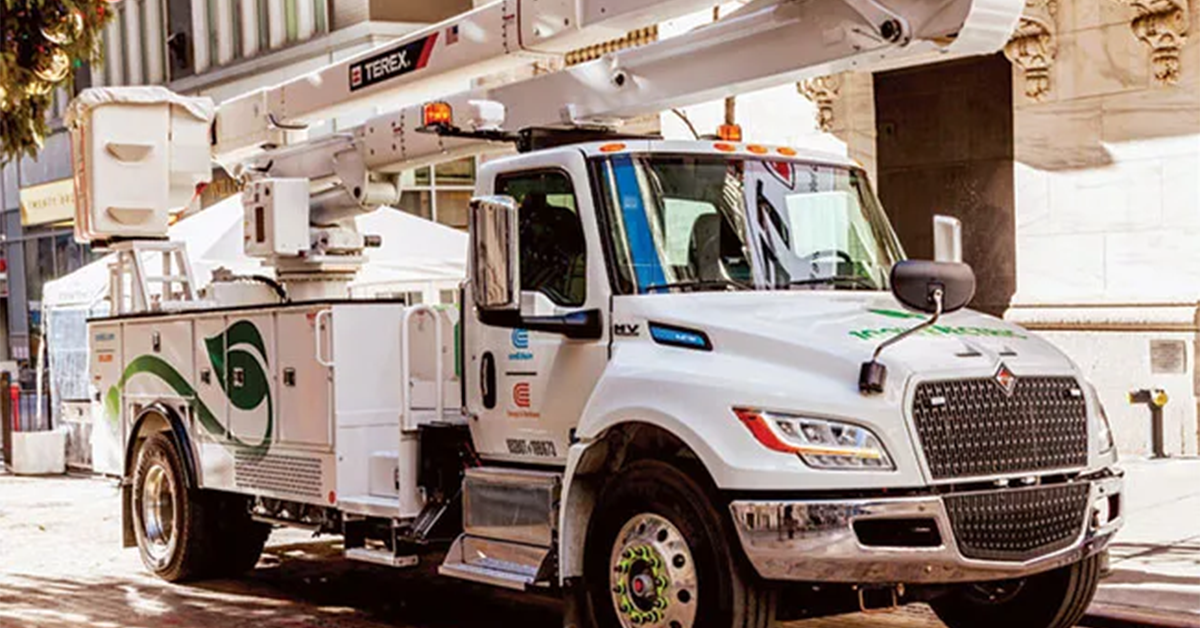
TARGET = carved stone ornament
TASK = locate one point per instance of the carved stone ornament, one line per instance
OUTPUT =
(1033, 46)
(822, 91)
(1162, 25)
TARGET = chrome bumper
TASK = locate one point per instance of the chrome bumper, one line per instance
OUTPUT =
(815, 541)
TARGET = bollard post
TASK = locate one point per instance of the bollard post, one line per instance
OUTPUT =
(14, 398)
(5, 424)
(1155, 399)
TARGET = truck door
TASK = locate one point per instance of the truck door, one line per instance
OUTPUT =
(525, 389)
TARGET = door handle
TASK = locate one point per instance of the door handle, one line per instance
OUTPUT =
(487, 380)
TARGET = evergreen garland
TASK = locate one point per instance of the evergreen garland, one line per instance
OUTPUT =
(42, 43)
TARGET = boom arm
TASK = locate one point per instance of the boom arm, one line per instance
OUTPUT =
(767, 43)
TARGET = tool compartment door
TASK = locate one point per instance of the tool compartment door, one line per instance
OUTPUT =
(249, 379)
(305, 415)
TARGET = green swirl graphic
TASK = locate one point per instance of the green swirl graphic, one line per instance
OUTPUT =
(240, 346)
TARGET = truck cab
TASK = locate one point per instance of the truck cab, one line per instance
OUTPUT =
(699, 312)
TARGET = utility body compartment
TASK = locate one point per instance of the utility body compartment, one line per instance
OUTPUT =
(300, 402)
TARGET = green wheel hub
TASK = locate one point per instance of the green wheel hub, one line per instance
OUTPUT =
(653, 578)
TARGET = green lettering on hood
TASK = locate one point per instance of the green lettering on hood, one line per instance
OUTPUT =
(872, 333)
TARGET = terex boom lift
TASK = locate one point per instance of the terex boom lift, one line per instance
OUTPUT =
(688, 384)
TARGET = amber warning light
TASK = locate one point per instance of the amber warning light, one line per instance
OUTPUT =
(730, 132)
(438, 114)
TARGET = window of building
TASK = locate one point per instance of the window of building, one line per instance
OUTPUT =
(440, 193)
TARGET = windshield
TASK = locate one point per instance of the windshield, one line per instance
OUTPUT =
(707, 222)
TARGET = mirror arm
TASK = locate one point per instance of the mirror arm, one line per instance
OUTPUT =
(872, 375)
(937, 313)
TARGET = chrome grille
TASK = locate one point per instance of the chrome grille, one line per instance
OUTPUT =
(973, 428)
(1017, 524)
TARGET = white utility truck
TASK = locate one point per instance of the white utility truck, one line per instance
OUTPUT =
(689, 384)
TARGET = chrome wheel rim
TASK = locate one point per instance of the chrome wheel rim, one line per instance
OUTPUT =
(652, 575)
(158, 513)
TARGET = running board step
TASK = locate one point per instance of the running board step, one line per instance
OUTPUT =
(380, 557)
(498, 563)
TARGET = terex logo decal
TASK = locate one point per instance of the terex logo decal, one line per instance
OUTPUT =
(520, 341)
(521, 394)
(392, 63)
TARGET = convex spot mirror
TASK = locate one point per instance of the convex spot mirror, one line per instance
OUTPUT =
(495, 275)
(915, 282)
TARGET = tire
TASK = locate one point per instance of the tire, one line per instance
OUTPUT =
(1055, 599)
(169, 520)
(659, 556)
(240, 539)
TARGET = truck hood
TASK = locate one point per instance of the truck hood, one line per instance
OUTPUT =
(836, 330)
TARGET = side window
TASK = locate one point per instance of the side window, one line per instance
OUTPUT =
(553, 252)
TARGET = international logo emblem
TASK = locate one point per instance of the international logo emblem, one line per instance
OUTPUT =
(1005, 379)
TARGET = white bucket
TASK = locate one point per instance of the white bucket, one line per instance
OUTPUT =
(39, 453)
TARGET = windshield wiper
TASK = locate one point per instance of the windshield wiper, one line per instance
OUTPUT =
(700, 284)
(857, 280)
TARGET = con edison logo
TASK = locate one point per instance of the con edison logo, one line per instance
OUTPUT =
(392, 63)
(520, 342)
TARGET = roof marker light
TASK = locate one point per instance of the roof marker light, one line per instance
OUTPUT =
(438, 113)
(756, 149)
(787, 152)
(725, 148)
(612, 148)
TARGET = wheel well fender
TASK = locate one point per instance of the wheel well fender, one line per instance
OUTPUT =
(155, 418)
(590, 464)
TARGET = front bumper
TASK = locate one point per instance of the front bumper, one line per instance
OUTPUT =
(816, 540)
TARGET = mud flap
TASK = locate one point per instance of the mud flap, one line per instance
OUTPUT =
(128, 536)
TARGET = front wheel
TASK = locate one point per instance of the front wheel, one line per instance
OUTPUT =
(659, 556)
(1055, 599)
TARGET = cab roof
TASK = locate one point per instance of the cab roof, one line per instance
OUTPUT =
(714, 147)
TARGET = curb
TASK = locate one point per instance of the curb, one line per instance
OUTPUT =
(1118, 616)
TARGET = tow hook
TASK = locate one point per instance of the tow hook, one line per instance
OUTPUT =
(878, 599)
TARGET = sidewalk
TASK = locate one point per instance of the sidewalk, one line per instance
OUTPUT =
(1156, 556)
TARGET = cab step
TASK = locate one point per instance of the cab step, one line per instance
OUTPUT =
(380, 557)
(498, 563)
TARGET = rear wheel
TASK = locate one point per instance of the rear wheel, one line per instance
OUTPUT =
(168, 519)
(659, 556)
(1055, 599)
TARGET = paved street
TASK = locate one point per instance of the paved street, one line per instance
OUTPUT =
(61, 565)
(1156, 557)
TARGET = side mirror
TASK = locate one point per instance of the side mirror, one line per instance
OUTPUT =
(916, 283)
(495, 273)
(947, 239)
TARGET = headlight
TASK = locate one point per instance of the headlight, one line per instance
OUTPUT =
(820, 443)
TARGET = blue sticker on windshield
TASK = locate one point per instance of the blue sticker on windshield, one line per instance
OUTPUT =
(637, 228)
